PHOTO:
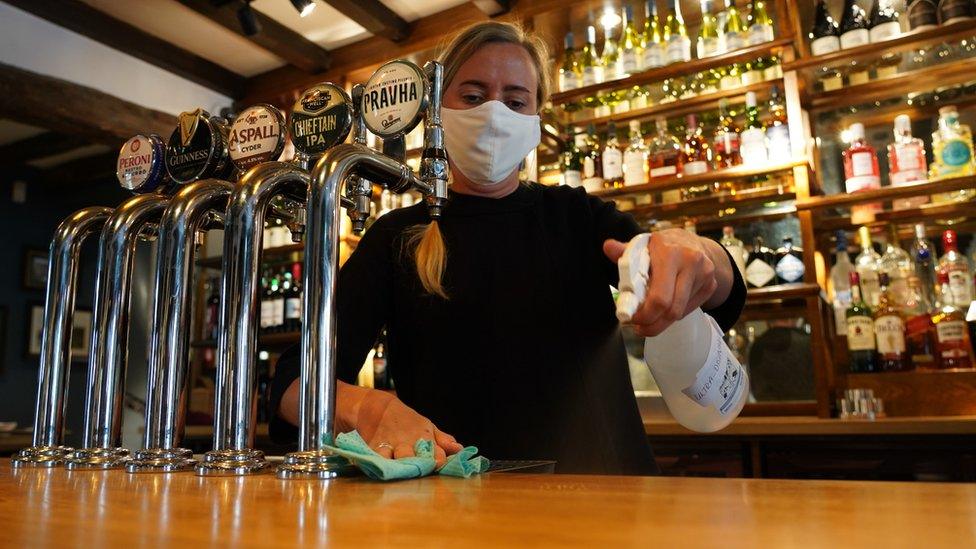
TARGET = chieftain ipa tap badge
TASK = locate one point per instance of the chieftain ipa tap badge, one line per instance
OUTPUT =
(256, 136)
(140, 165)
(394, 99)
(320, 119)
(198, 148)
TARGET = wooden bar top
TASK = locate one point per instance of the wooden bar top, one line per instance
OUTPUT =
(813, 426)
(41, 508)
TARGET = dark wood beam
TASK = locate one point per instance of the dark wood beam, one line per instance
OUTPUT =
(115, 33)
(39, 146)
(375, 17)
(274, 37)
(80, 170)
(73, 109)
(494, 7)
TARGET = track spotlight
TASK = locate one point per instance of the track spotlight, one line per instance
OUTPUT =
(304, 7)
(249, 22)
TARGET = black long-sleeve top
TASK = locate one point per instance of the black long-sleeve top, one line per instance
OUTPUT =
(525, 359)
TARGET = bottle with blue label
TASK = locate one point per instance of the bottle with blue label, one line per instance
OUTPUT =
(789, 263)
(952, 148)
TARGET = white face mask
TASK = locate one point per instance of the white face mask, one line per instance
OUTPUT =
(487, 143)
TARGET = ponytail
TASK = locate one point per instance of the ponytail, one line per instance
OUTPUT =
(430, 255)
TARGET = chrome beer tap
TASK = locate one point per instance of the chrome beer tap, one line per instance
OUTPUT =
(359, 190)
(394, 100)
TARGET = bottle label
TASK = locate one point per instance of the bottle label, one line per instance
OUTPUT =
(589, 167)
(884, 31)
(679, 49)
(664, 171)
(721, 381)
(754, 147)
(910, 161)
(293, 308)
(256, 136)
(890, 334)
(628, 62)
(862, 183)
(950, 10)
(773, 72)
(572, 178)
(707, 47)
(862, 163)
(277, 312)
(780, 151)
(734, 41)
(751, 76)
(922, 14)
(567, 80)
(789, 268)
(759, 34)
(960, 284)
(592, 75)
(825, 45)
(860, 333)
(612, 163)
(870, 286)
(694, 168)
(854, 38)
(265, 314)
(634, 168)
(956, 153)
(654, 56)
(952, 331)
(759, 273)
(726, 143)
(738, 254)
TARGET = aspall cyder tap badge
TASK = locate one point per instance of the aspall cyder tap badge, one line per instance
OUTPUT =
(192, 147)
(140, 164)
(256, 136)
(394, 99)
(320, 119)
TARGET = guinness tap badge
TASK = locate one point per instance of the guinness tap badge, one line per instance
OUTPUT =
(256, 136)
(320, 119)
(394, 99)
(140, 165)
(197, 148)
(188, 125)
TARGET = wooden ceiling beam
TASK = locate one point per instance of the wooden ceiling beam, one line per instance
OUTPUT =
(375, 17)
(494, 7)
(80, 170)
(79, 17)
(39, 146)
(274, 37)
(73, 109)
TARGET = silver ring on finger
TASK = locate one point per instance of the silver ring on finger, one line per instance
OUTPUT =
(384, 445)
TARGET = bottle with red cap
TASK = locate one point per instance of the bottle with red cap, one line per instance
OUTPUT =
(953, 345)
(957, 269)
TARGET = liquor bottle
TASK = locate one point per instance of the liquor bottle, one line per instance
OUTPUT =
(277, 319)
(906, 162)
(897, 264)
(889, 330)
(592, 161)
(569, 72)
(664, 153)
(266, 312)
(840, 280)
(919, 330)
(613, 159)
(381, 374)
(922, 14)
(958, 270)
(861, 173)
(853, 26)
(725, 141)
(759, 265)
(884, 21)
(753, 142)
(708, 40)
(212, 324)
(735, 248)
(860, 332)
(591, 69)
(572, 163)
(824, 36)
(953, 345)
(293, 299)
(760, 24)
(635, 157)
(868, 266)
(923, 256)
(695, 151)
(611, 55)
(952, 149)
(652, 40)
(789, 263)
(629, 54)
(777, 130)
(951, 11)
(676, 36)
(734, 32)
(751, 72)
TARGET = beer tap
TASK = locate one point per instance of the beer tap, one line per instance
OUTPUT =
(46, 448)
(358, 190)
(394, 100)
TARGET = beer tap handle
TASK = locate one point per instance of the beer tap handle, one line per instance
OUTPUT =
(434, 170)
(359, 191)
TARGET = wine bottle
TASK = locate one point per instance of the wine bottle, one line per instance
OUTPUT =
(652, 41)
(760, 24)
(590, 67)
(592, 161)
(708, 39)
(293, 299)
(572, 162)
(676, 36)
(922, 14)
(860, 331)
(853, 26)
(951, 11)
(777, 130)
(825, 36)
(613, 170)
(734, 35)
(884, 21)
(611, 55)
(569, 73)
(635, 157)
(628, 56)
(753, 146)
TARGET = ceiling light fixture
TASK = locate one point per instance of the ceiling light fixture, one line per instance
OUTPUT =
(304, 7)
(249, 22)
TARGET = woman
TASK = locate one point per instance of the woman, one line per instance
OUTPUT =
(500, 323)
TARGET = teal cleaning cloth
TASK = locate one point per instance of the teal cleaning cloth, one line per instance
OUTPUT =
(462, 464)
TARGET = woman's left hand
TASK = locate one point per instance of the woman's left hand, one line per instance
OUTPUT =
(686, 272)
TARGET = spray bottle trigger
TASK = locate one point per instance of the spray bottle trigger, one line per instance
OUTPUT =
(633, 268)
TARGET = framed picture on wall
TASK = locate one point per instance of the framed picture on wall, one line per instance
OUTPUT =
(35, 269)
(80, 332)
(35, 324)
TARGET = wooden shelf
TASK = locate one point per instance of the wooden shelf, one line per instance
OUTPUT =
(710, 205)
(926, 213)
(887, 193)
(274, 340)
(905, 42)
(216, 261)
(921, 392)
(783, 291)
(729, 174)
(676, 70)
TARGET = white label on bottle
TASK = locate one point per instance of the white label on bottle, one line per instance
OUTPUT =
(628, 62)
(862, 183)
(884, 31)
(654, 56)
(568, 80)
(592, 75)
(759, 34)
(734, 41)
(265, 314)
(613, 163)
(950, 331)
(825, 45)
(870, 286)
(293, 308)
(862, 163)
(909, 159)
(854, 38)
(694, 168)
(738, 254)
(589, 167)
(679, 49)
(753, 147)
(779, 144)
(277, 312)
(759, 273)
(720, 381)
(707, 47)
(634, 168)
(751, 76)
(789, 268)
(890, 334)
(773, 72)
(572, 178)
(379, 366)
(860, 333)
(960, 284)
(664, 171)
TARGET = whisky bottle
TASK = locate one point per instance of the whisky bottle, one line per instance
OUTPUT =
(958, 271)
(897, 264)
(725, 141)
(924, 257)
(695, 151)
(665, 149)
(954, 347)
(860, 332)
(736, 249)
(889, 330)
(919, 330)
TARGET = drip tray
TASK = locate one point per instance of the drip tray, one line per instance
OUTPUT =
(521, 466)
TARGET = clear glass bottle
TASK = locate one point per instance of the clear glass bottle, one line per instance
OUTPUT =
(778, 130)
(759, 266)
(924, 258)
(652, 40)
(572, 162)
(760, 24)
(613, 159)
(861, 173)
(897, 264)
(592, 161)
(569, 73)
(694, 157)
(840, 280)
(591, 69)
(789, 263)
(735, 248)
(665, 149)
(629, 56)
(954, 347)
(753, 139)
(861, 343)
(889, 330)
(854, 26)
(919, 330)
(868, 266)
(708, 39)
(956, 267)
(906, 162)
(725, 141)
(952, 149)
(610, 55)
(635, 157)
(824, 36)
(734, 33)
(676, 36)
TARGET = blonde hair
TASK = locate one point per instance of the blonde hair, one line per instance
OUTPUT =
(426, 241)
